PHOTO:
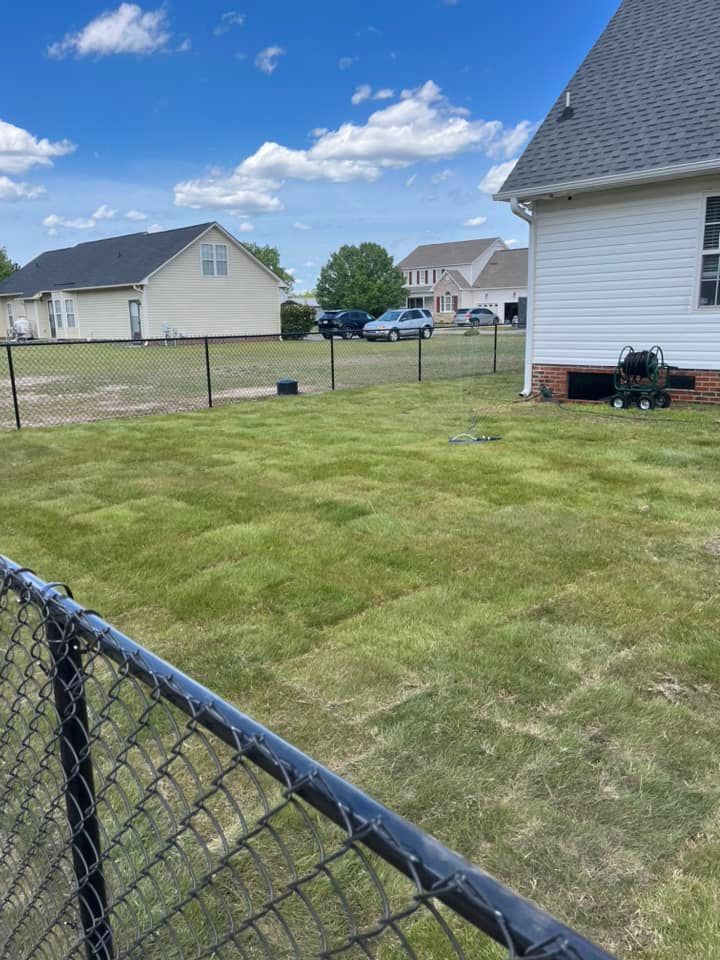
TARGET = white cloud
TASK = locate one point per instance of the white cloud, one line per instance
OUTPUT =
(10, 190)
(299, 225)
(510, 243)
(513, 140)
(229, 20)
(475, 222)
(236, 192)
(422, 125)
(245, 227)
(104, 212)
(267, 59)
(309, 263)
(442, 176)
(496, 176)
(20, 150)
(362, 93)
(185, 46)
(155, 228)
(344, 63)
(53, 221)
(411, 180)
(136, 215)
(128, 29)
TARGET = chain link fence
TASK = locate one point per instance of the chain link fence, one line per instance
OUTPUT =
(141, 816)
(44, 384)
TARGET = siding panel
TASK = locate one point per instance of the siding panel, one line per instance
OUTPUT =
(622, 267)
(247, 301)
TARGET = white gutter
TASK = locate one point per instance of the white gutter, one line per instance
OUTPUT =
(521, 211)
(636, 177)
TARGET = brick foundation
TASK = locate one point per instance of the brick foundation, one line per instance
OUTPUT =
(707, 382)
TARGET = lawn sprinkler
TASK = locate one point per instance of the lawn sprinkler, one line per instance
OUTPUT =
(641, 377)
(471, 435)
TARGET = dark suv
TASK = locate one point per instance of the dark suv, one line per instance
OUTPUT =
(343, 323)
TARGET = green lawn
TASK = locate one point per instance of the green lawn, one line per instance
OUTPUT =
(514, 644)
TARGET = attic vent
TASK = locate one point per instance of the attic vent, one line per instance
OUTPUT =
(568, 110)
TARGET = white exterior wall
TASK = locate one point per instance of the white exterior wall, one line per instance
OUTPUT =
(247, 301)
(495, 299)
(102, 314)
(623, 267)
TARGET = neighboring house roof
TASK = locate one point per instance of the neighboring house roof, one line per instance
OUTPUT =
(444, 254)
(117, 261)
(455, 275)
(645, 99)
(505, 269)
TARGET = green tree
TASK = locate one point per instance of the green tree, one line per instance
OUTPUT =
(270, 256)
(6, 264)
(361, 278)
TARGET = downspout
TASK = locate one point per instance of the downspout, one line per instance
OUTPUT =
(524, 213)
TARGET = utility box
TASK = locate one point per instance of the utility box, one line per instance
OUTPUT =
(287, 388)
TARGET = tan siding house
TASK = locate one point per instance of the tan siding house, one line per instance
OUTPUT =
(245, 301)
(194, 281)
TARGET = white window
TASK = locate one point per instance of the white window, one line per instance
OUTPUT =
(446, 303)
(710, 267)
(214, 258)
(11, 319)
(70, 313)
(58, 314)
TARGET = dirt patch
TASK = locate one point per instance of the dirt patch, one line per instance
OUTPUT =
(713, 546)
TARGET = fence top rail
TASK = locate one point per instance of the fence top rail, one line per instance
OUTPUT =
(517, 924)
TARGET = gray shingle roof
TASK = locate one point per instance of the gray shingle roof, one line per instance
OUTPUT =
(645, 98)
(101, 263)
(457, 277)
(505, 268)
(445, 254)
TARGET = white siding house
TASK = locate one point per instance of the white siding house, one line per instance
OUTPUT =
(194, 281)
(623, 266)
(621, 188)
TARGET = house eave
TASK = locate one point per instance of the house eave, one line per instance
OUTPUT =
(635, 178)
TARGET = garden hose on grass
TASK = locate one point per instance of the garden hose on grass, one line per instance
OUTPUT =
(471, 435)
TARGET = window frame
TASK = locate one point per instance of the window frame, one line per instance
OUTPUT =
(59, 316)
(71, 314)
(214, 259)
(444, 297)
(707, 252)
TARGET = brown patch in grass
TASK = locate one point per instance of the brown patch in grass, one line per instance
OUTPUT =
(713, 546)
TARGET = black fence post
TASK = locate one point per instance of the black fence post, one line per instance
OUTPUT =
(332, 361)
(419, 356)
(207, 373)
(69, 693)
(13, 385)
(495, 329)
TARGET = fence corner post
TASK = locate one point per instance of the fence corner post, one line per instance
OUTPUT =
(13, 385)
(79, 784)
(420, 356)
(332, 360)
(495, 330)
(207, 373)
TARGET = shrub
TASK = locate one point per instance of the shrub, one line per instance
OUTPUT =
(472, 332)
(296, 320)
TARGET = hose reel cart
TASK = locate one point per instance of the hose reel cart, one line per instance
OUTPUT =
(641, 377)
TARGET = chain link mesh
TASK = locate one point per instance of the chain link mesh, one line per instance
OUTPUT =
(77, 381)
(143, 817)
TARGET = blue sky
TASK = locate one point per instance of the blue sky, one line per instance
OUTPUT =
(301, 125)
